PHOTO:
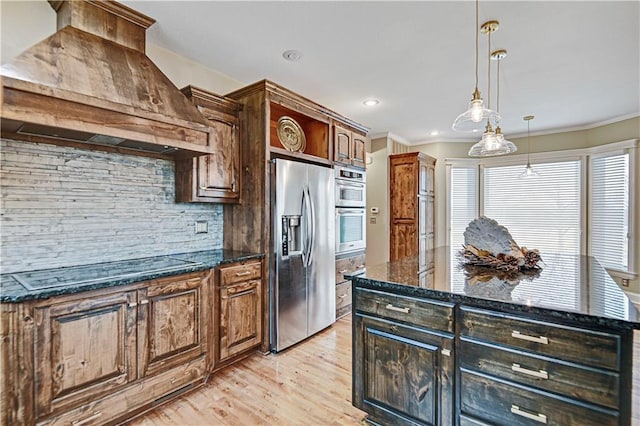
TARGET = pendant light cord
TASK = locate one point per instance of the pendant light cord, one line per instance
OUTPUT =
(528, 144)
(477, 31)
(498, 88)
(489, 73)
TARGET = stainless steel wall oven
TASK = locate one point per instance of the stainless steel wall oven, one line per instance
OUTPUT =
(350, 195)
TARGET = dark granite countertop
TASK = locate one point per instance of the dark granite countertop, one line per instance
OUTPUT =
(45, 283)
(570, 289)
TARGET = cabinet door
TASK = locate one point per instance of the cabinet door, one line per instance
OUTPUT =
(403, 375)
(358, 148)
(341, 145)
(172, 322)
(403, 240)
(84, 349)
(240, 325)
(218, 172)
(403, 191)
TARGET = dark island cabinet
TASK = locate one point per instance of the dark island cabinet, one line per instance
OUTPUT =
(423, 361)
(403, 364)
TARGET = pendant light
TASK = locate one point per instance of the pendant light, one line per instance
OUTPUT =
(493, 142)
(471, 120)
(528, 171)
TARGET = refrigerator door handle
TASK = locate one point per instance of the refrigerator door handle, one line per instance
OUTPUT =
(312, 227)
(306, 207)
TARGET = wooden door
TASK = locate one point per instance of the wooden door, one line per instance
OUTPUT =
(403, 199)
(172, 322)
(404, 375)
(218, 173)
(358, 148)
(341, 145)
(84, 349)
(240, 326)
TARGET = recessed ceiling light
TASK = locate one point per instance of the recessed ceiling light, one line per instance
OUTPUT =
(370, 102)
(292, 55)
(434, 133)
(475, 130)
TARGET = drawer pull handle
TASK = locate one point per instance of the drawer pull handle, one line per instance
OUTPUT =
(144, 302)
(541, 374)
(87, 420)
(541, 418)
(243, 274)
(133, 304)
(541, 339)
(446, 352)
(360, 266)
(342, 271)
(342, 296)
(395, 308)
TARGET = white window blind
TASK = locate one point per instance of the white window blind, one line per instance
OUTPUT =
(463, 203)
(541, 213)
(463, 208)
(609, 207)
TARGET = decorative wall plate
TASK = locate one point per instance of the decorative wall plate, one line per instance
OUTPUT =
(291, 135)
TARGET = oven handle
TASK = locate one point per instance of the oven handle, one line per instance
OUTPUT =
(351, 210)
(340, 182)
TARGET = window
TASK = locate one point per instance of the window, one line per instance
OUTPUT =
(541, 213)
(564, 210)
(609, 207)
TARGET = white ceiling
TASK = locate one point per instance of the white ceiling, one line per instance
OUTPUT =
(569, 63)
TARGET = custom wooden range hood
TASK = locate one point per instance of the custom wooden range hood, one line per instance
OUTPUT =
(91, 82)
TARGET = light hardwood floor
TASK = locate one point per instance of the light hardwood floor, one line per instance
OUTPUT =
(309, 384)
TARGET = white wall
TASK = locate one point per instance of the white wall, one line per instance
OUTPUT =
(377, 196)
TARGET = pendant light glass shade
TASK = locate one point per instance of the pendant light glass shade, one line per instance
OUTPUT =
(528, 171)
(492, 143)
(471, 120)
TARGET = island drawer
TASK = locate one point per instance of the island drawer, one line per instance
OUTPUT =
(567, 343)
(240, 272)
(431, 314)
(343, 295)
(348, 265)
(568, 379)
(499, 402)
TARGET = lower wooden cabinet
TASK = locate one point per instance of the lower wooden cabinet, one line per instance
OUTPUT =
(403, 374)
(403, 358)
(239, 320)
(129, 345)
(345, 265)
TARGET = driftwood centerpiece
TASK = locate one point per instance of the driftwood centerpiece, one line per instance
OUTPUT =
(487, 243)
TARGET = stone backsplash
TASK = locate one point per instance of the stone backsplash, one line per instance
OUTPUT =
(63, 206)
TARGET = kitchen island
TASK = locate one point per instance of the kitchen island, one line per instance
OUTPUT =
(448, 344)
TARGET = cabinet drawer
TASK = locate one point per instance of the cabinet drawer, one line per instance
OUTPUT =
(343, 295)
(424, 313)
(348, 264)
(588, 384)
(238, 273)
(503, 403)
(566, 343)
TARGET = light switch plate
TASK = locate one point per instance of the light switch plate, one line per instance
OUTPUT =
(202, 227)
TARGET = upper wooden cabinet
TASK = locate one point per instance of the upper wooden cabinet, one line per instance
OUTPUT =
(348, 147)
(411, 187)
(216, 177)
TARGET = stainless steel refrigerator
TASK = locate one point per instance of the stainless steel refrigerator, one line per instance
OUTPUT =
(303, 266)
